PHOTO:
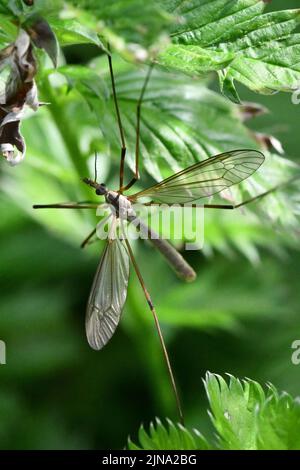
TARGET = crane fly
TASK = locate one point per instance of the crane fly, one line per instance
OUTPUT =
(201, 180)
(109, 289)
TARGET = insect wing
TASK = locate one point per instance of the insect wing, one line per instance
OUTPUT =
(108, 294)
(205, 178)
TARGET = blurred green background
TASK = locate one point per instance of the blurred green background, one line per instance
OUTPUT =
(239, 316)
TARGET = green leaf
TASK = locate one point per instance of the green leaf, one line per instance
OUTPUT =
(193, 59)
(22, 11)
(233, 410)
(135, 21)
(244, 416)
(8, 31)
(227, 87)
(170, 437)
(275, 67)
(86, 81)
(279, 422)
(264, 51)
(182, 121)
(17, 7)
(71, 31)
(212, 23)
(247, 418)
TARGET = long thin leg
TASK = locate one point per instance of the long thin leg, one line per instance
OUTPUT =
(233, 206)
(138, 128)
(208, 206)
(252, 199)
(87, 239)
(121, 130)
(161, 338)
(67, 205)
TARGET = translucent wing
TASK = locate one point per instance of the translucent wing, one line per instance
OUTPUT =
(205, 178)
(108, 294)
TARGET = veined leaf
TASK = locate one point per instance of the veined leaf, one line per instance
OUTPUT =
(182, 121)
(265, 53)
(194, 59)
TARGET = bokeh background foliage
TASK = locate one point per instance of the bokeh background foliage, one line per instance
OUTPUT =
(242, 313)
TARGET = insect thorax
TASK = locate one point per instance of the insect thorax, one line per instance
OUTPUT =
(119, 204)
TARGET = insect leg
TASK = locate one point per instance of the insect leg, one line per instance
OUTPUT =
(67, 205)
(174, 258)
(138, 129)
(157, 325)
(120, 125)
(87, 239)
(252, 199)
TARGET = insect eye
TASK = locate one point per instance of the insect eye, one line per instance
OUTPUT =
(101, 190)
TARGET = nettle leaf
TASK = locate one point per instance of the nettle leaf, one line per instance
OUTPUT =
(248, 418)
(278, 423)
(233, 410)
(193, 59)
(244, 415)
(170, 437)
(264, 52)
(184, 122)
